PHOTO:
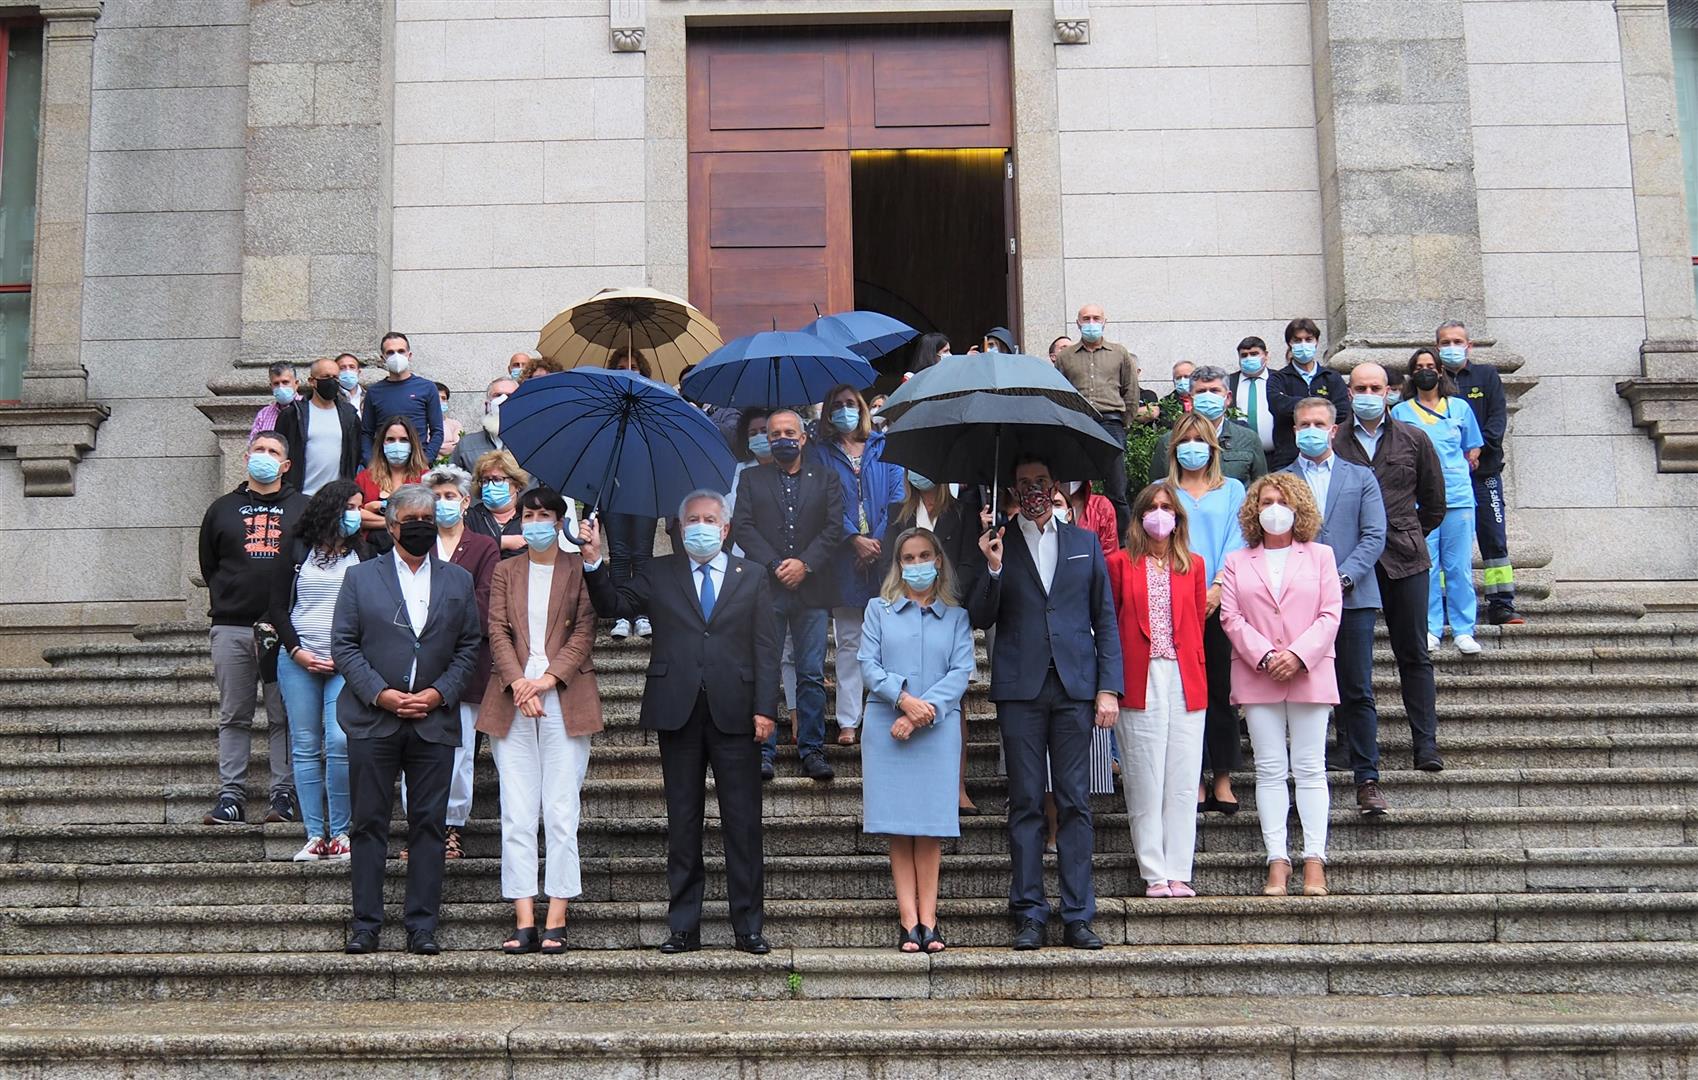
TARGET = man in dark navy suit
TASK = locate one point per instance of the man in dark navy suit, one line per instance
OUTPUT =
(1056, 665)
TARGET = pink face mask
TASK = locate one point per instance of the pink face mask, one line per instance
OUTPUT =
(1158, 524)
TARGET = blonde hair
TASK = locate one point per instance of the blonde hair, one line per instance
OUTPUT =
(910, 507)
(384, 475)
(1178, 542)
(863, 422)
(894, 588)
(509, 465)
(1194, 427)
(1297, 496)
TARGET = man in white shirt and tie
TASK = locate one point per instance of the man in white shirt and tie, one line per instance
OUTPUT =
(1249, 386)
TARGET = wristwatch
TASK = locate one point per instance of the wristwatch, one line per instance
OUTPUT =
(1345, 583)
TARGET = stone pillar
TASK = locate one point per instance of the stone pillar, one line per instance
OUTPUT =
(1399, 211)
(1665, 398)
(54, 424)
(317, 206)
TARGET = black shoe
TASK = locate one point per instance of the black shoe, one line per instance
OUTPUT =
(229, 811)
(283, 808)
(767, 771)
(816, 767)
(1503, 615)
(682, 941)
(423, 943)
(1029, 936)
(1079, 935)
(1429, 762)
(363, 942)
(752, 943)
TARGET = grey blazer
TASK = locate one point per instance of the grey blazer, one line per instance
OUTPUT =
(374, 647)
(1353, 524)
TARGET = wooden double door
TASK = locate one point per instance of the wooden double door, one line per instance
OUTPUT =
(774, 116)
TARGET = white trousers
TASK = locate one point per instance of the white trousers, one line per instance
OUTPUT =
(851, 692)
(460, 780)
(1306, 724)
(1161, 750)
(542, 774)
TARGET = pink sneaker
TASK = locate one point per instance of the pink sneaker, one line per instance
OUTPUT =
(1179, 888)
(1158, 891)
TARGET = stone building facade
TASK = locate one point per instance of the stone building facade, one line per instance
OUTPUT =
(226, 183)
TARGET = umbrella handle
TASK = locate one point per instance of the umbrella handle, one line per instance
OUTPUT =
(575, 539)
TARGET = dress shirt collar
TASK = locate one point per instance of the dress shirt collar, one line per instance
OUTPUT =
(1309, 464)
(719, 562)
(1033, 533)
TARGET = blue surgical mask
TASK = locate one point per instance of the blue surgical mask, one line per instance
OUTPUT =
(540, 534)
(1250, 365)
(263, 467)
(349, 379)
(1192, 455)
(448, 512)
(758, 445)
(397, 453)
(1368, 406)
(918, 482)
(1210, 404)
(283, 395)
(350, 522)
(1454, 357)
(703, 541)
(919, 575)
(1182, 385)
(497, 493)
(845, 419)
(1091, 332)
(1303, 351)
(1313, 441)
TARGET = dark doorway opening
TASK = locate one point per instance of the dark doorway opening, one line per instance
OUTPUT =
(931, 239)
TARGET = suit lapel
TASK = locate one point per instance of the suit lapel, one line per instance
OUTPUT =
(1333, 486)
(520, 595)
(685, 571)
(1141, 595)
(733, 581)
(391, 567)
(1259, 560)
(436, 586)
(1023, 555)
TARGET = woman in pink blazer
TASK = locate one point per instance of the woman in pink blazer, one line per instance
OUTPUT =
(1280, 605)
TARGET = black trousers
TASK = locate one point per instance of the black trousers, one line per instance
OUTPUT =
(1061, 726)
(373, 765)
(1222, 743)
(685, 755)
(1114, 484)
(1404, 601)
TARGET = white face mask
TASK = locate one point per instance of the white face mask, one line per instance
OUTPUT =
(395, 362)
(1064, 514)
(1277, 519)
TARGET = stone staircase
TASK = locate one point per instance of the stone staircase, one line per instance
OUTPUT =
(1529, 911)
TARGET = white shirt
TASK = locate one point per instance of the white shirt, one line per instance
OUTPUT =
(539, 585)
(922, 516)
(415, 598)
(1319, 476)
(1276, 558)
(716, 569)
(1257, 390)
(1045, 546)
(323, 449)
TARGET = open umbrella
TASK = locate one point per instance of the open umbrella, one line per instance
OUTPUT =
(773, 368)
(867, 334)
(967, 420)
(659, 325)
(615, 440)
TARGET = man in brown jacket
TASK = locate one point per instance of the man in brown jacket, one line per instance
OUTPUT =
(1106, 374)
(1412, 485)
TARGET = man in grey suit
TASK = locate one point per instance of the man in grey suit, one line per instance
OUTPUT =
(478, 441)
(405, 637)
(1353, 524)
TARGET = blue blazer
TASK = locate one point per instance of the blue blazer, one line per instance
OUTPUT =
(1073, 624)
(1353, 524)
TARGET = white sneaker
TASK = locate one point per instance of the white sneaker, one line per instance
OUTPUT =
(1432, 644)
(643, 628)
(312, 852)
(1466, 645)
(621, 630)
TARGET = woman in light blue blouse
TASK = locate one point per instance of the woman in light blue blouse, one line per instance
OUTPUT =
(1211, 500)
(1431, 403)
(916, 658)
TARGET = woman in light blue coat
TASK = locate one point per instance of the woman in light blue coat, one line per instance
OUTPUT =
(916, 658)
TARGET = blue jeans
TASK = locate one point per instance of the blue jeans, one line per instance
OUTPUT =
(806, 628)
(1451, 547)
(318, 748)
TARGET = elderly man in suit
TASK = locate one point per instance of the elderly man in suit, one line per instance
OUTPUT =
(405, 636)
(1353, 525)
(711, 691)
(1055, 668)
(790, 522)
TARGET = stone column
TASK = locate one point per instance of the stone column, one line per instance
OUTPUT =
(1665, 398)
(54, 424)
(1399, 211)
(317, 208)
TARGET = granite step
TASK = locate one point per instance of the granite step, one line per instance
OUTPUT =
(862, 877)
(873, 923)
(1054, 974)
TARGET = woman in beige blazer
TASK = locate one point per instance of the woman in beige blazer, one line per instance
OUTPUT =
(540, 710)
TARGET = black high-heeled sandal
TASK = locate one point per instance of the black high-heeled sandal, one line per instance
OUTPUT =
(910, 936)
(554, 934)
(526, 936)
(930, 938)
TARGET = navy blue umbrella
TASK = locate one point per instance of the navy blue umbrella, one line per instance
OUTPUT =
(773, 368)
(615, 440)
(867, 334)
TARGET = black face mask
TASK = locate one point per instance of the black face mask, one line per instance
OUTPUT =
(417, 537)
(1426, 378)
(327, 389)
(784, 451)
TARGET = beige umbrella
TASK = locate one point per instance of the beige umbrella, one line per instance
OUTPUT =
(667, 331)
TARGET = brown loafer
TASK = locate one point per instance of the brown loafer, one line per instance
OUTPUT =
(1369, 800)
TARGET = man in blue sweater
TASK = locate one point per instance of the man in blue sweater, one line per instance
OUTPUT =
(402, 395)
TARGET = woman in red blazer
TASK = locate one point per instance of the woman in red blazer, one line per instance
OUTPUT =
(1160, 591)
